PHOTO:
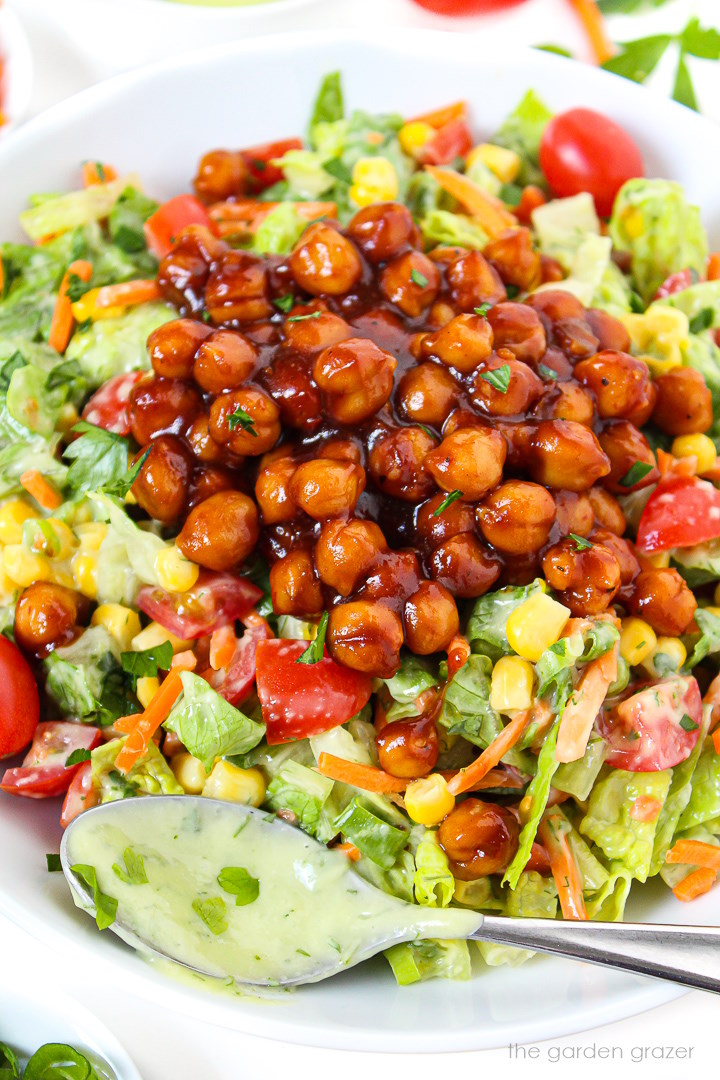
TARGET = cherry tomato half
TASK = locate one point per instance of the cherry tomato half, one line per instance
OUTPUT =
(258, 158)
(43, 772)
(235, 682)
(109, 407)
(215, 600)
(582, 150)
(676, 283)
(81, 795)
(648, 732)
(681, 512)
(19, 702)
(466, 7)
(162, 227)
(451, 141)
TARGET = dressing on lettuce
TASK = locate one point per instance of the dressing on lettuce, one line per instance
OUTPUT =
(208, 725)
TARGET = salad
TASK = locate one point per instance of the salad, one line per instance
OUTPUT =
(374, 484)
(51, 1059)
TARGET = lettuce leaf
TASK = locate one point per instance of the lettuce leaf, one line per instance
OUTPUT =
(115, 346)
(151, 775)
(208, 725)
(489, 616)
(678, 797)
(362, 824)
(456, 230)
(433, 881)
(466, 708)
(578, 777)
(522, 131)
(538, 793)
(301, 790)
(704, 802)
(609, 822)
(415, 961)
(415, 675)
(60, 213)
(85, 679)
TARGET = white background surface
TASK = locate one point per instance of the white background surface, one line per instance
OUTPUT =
(75, 43)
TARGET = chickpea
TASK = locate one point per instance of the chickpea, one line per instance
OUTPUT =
(463, 343)
(427, 393)
(522, 386)
(394, 576)
(162, 484)
(221, 531)
(464, 566)
(182, 276)
(551, 271)
(440, 312)
(575, 338)
(662, 598)
(289, 382)
(607, 510)
(272, 491)
(556, 360)
(462, 417)
(202, 240)
(325, 489)
(587, 581)
(237, 289)
(479, 838)
(513, 256)
(456, 518)
(324, 262)
(564, 454)
(556, 304)
(445, 254)
(470, 460)
(684, 403)
(310, 336)
(203, 445)
(621, 385)
(430, 618)
(341, 450)
(517, 517)
(357, 376)
(230, 426)
(294, 587)
(473, 281)
(172, 347)
(225, 360)
(623, 552)
(162, 407)
(567, 401)
(221, 174)
(624, 445)
(609, 331)
(517, 328)
(383, 230)
(574, 513)
(408, 748)
(208, 481)
(366, 636)
(46, 617)
(411, 282)
(346, 552)
(396, 464)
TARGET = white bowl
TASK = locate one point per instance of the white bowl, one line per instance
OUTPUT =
(159, 121)
(16, 55)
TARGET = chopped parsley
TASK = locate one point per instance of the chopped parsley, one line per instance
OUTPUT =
(688, 724)
(499, 378)
(547, 372)
(147, 662)
(483, 310)
(213, 913)
(637, 472)
(284, 303)
(53, 862)
(77, 757)
(105, 906)
(448, 501)
(301, 318)
(133, 873)
(417, 278)
(581, 544)
(76, 288)
(314, 652)
(242, 419)
(702, 321)
(240, 883)
(100, 461)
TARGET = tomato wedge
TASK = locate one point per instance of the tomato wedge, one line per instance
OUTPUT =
(235, 682)
(19, 702)
(43, 772)
(215, 600)
(656, 728)
(452, 140)
(109, 407)
(81, 795)
(162, 227)
(258, 158)
(681, 512)
(299, 700)
(676, 283)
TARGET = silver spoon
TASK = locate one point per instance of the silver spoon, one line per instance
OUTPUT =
(312, 908)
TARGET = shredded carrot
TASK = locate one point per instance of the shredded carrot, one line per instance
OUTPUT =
(490, 213)
(127, 293)
(712, 698)
(466, 779)
(184, 661)
(595, 30)
(149, 721)
(95, 172)
(125, 724)
(645, 808)
(716, 739)
(247, 215)
(253, 619)
(61, 325)
(349, 849)
(565, 871)
(458, 652)
(584, 705)
(695, 884)
(366, 777)
(713, 266)
(438, 118)
(532, 197)
(496, 778)
(222, 647)
(43, 492)
(695, 853)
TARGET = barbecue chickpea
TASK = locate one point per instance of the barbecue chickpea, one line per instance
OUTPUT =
(225, 360)
(408, 748)
(396, 464)
(473, 281)
(182, 276)
(294, 587)
(172, 347)
(684, 404)
(366, 636)
(346, 552)
(513, 256)
(309, 336)
(625, 445)
(324, 262)
(464, 566)
(357, 377)
(556, 360)
(609, 331)
(325, 489)
(203, 241)
(622, 550)
(161, 486)
(258, 434)
(46, 616)
(470, 460)
(567, 401)
(662, 598)
(383, 230)
(289, 381)
(221, 531)
(556, 304)
(564, 454)
(523, 386)
(586, 580)
(206, 482)
(221, 174)
(162, 407)
(479, 838)
(575, 338)
(621, 385)
(607, 510)
(463, 343)
(393, 577)
(434, 528)
(517, 328)
(237, 289)
(440, 312)
(272, 490)
(430, 618)
(574, 512)
(427, 393)
(517, 517)
(204, 446)
(341, 450)
(411, 282)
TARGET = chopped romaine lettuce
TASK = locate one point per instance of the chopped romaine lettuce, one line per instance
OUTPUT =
(414, 961)
(538, 793)
(113, 346)
(704, 802)
(555, 666)
(397, 881)
(709, 640)
(63, 212)
(329, 104)
(534, 897)
(141, 547)
(562, 224)
(208, 725)
(29, 453)
(455, 230)
(362, 825)
(126, 220)
(610, 823)
(85, 679)
(433, 881)
(466, 708)
(415, 675)
(698, 564)
(587, 269)
(302, 791)
(608, 903)
(489, 616)
(577, 777)
(678, 798)
(151, 775)
(522, 131)
(280, 230)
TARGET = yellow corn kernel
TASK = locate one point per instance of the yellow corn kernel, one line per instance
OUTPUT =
(668, 656)
(91, 534)
(229, 782)
(86, 308)
(121, 623)
(13, 516)
(637, 641)
(658, 336)
(659, 559)
(536, 625)
(699, 446)
(414, 135)
(189, 772)
(129, 499)
(374, 180)
(84, 569)
(80, 513)
(153, 635)
(498, 159)
(24, 567)
(147, 688)
(633, 223)
(512, 684)
(67, 418)
(175, 572)
(8, 587)
(428, 800)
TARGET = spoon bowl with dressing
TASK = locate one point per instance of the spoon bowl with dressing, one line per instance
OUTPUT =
(230, 891)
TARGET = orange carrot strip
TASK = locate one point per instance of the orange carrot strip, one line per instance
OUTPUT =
(565, 872)
(716, 740)
(490, 213)
(125, 724)
(149, 721)
(222, 647)
(458, 652)
(62, 323)
(712, 698)
(467, 778)
(127, 293)
(595, 30)
(250, 212)
(253, 619)
(695, 884)
(645, 808)
(713, 266)
(584, 705)
(366, 777)
(350, 850)
(438, 118)
(43, 492)
(95, 172)
(695, 853)
(184, 661)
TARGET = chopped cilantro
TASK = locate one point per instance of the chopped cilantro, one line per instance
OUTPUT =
(314, 652)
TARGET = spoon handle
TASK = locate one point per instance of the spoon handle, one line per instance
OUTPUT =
(689, 955)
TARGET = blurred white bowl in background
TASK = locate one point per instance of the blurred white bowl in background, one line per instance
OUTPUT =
(17, 63)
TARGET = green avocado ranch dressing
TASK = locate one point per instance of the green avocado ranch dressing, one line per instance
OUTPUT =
(238, 893)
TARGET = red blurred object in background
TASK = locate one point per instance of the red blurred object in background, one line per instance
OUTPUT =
(466, 7)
